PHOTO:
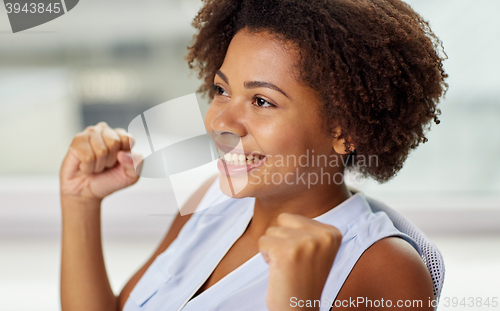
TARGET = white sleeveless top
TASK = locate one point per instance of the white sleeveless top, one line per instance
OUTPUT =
(177, 274)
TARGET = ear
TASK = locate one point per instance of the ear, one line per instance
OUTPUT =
(338, 142)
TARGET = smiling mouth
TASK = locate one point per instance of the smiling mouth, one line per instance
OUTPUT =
(243, 159)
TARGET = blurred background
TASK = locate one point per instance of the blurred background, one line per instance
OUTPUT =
(111, 60)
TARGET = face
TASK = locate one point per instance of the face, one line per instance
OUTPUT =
(266, 122)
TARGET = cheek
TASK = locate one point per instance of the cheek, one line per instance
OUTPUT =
(290, 145)
(290, 138)
(284, 148)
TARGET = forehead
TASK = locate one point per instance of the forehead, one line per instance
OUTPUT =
(259, 55)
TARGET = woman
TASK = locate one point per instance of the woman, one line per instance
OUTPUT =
(341, 80)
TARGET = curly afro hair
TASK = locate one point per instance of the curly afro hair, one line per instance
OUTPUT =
(375, 64)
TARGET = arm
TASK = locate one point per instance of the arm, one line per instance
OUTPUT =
(172, 233)
(97, 164)
(84, 282)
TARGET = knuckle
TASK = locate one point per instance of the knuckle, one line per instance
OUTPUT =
(121, 130)
(283, 217)
(336, 233)
(88, 158)
(273, 230)
(328, 237)
(310, 243)
(101, 152)
(79, 137)
(338, 238)
(307, 244)
(261, 241)
(292, 251)
(114, 143)
(333, 237)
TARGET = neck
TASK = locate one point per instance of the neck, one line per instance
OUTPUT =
(309, 203)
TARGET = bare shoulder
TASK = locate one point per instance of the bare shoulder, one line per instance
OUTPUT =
(391, 269)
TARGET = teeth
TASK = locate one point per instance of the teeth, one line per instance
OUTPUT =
(241, 159)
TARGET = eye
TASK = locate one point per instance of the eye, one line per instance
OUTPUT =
(219, 90)
(260, 102)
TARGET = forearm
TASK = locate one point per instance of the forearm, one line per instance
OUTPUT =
(84, 281)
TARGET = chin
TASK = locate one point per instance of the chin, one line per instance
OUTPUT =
(234, 187)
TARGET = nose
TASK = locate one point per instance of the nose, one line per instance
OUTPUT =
(229, 119)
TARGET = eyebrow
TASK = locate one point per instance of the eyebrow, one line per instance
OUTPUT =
(253, 84)
(222, 76)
